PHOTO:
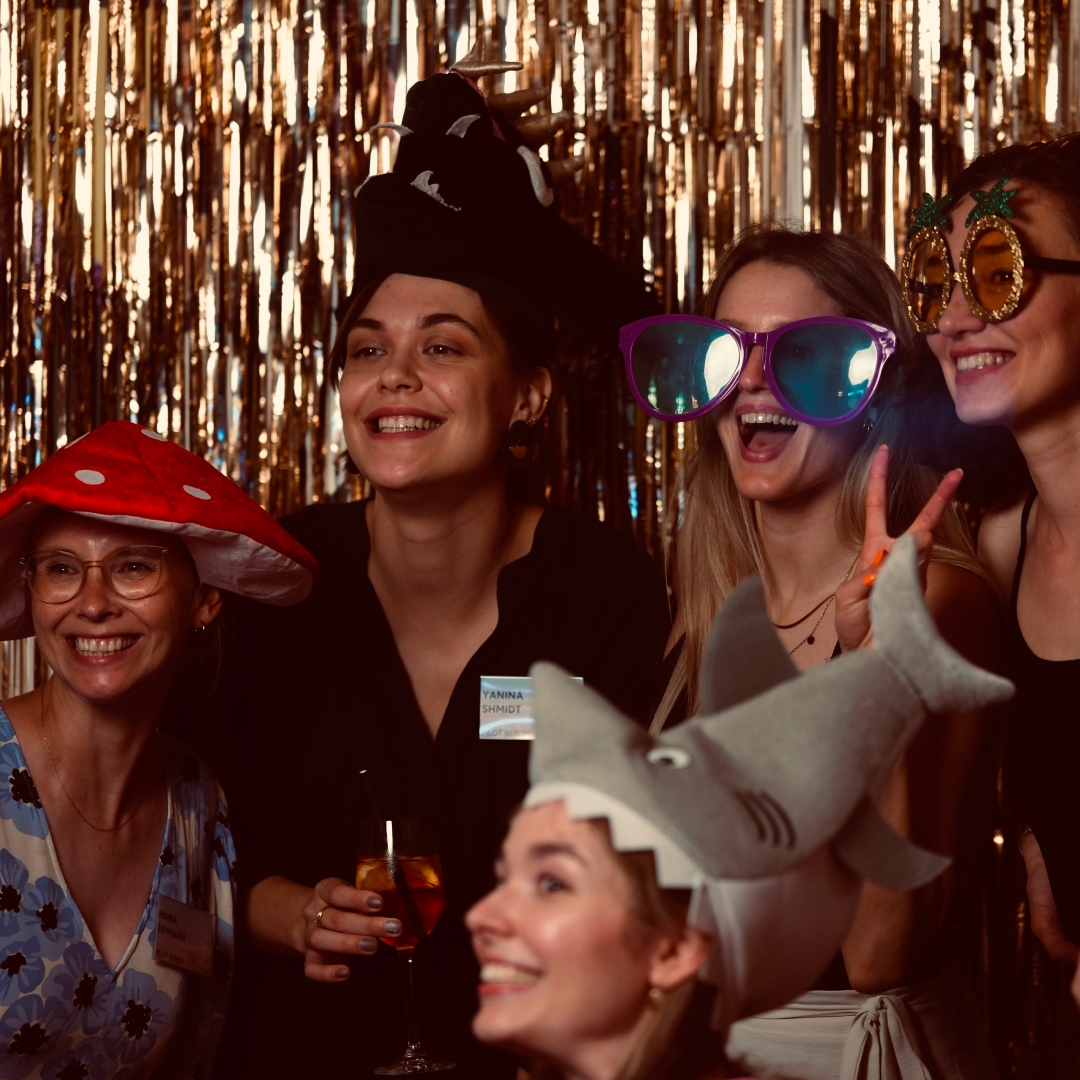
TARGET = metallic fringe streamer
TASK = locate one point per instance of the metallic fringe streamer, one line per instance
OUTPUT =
(176, 175)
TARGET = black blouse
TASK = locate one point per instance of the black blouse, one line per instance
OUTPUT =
(315, 693)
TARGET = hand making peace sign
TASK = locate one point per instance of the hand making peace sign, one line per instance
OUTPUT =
(853, 627)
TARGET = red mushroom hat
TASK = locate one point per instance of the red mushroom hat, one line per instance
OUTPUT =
(131, 475)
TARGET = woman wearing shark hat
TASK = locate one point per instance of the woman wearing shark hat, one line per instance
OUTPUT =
(442, 364)
(653, 890)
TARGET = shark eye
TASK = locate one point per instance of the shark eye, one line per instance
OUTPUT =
(671, 757)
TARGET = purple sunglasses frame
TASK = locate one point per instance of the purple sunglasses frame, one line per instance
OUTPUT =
(884, 340)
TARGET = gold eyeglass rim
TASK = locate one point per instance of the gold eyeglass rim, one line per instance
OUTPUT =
(1021, 263)
(24, 562)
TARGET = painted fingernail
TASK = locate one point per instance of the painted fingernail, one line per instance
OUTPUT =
(879, 558)
(368, 944)
(391, 927)
(341, 973)
(374, 902)
(869, 579)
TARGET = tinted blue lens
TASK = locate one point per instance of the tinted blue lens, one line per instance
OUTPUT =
(682, 366)
(823, 370)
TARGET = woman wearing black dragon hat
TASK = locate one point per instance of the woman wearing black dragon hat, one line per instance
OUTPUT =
(440, 578)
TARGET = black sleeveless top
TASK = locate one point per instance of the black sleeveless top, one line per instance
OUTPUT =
(1045, 754)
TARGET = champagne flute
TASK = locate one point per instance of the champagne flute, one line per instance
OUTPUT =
(397, 860)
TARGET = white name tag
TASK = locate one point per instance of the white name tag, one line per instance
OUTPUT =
(506, 707)
(185, 937)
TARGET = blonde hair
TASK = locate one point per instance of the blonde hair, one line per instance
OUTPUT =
(718, 544)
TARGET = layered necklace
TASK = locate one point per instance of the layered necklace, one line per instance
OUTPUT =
(63, 788)
(823, 604)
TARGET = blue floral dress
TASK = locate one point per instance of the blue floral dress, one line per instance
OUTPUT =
(63, 1014)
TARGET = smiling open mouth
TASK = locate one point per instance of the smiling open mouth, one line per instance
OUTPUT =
(765, 430)
(101, 646)
(391, 424)
(978, 361)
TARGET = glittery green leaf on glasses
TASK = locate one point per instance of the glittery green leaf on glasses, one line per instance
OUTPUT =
(992, 202)
(931, 215)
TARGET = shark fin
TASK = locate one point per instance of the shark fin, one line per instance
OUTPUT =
(744, 656)
(876, 851)
(905, 634)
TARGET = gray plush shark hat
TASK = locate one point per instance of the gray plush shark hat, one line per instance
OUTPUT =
(766, 804)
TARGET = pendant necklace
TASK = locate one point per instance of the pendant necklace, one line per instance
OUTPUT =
(809, 639)
(59, 780)
(792, 625)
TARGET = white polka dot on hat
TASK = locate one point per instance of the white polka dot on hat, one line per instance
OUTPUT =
(135, 476)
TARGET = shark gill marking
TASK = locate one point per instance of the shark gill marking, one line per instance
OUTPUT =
(773, 824)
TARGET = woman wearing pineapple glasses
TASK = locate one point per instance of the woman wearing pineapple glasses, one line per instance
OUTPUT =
(1008, 341)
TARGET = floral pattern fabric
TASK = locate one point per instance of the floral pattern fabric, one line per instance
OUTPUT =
(63, 1014)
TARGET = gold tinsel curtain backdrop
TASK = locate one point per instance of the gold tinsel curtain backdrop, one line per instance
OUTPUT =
(176, 233)
(176, 179)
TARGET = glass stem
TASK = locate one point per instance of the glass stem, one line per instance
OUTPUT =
(412, 1030)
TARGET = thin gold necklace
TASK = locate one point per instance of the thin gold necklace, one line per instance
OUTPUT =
(809, 639)
(59, 780)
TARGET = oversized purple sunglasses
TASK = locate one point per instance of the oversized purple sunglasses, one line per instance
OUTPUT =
(822, 371)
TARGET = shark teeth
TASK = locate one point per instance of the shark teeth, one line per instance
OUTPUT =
(978, 361)
(494, 972)
(406, 423)
(768, 418)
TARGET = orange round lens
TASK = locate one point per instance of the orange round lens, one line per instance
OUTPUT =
(993, 275)
(926, 274)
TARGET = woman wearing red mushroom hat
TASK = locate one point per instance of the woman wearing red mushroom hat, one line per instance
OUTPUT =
(116, 856)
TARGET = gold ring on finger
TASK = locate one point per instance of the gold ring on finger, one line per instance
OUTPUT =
(319, 916)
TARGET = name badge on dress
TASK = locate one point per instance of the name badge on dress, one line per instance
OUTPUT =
(185, 936)
(506, 707)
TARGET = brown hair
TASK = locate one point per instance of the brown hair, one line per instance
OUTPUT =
(994, 469)
(1053, 166)
(718, 545)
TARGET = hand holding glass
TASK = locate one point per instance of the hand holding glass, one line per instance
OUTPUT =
(397, 860)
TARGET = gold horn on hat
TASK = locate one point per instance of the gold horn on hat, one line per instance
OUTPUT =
(537, 130)
(565, 168)
(473, 66)
(511, 106)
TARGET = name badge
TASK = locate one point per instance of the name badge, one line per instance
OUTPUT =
(185, 937)
(506, 707)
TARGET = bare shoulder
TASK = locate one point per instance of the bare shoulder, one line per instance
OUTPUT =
(999, 542)
(967, 610)
(951, 585)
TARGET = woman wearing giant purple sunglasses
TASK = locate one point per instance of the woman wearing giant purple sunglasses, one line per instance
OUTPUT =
(822, 371)
(793, 386)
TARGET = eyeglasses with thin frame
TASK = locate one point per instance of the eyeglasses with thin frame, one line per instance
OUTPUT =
(132, 573)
